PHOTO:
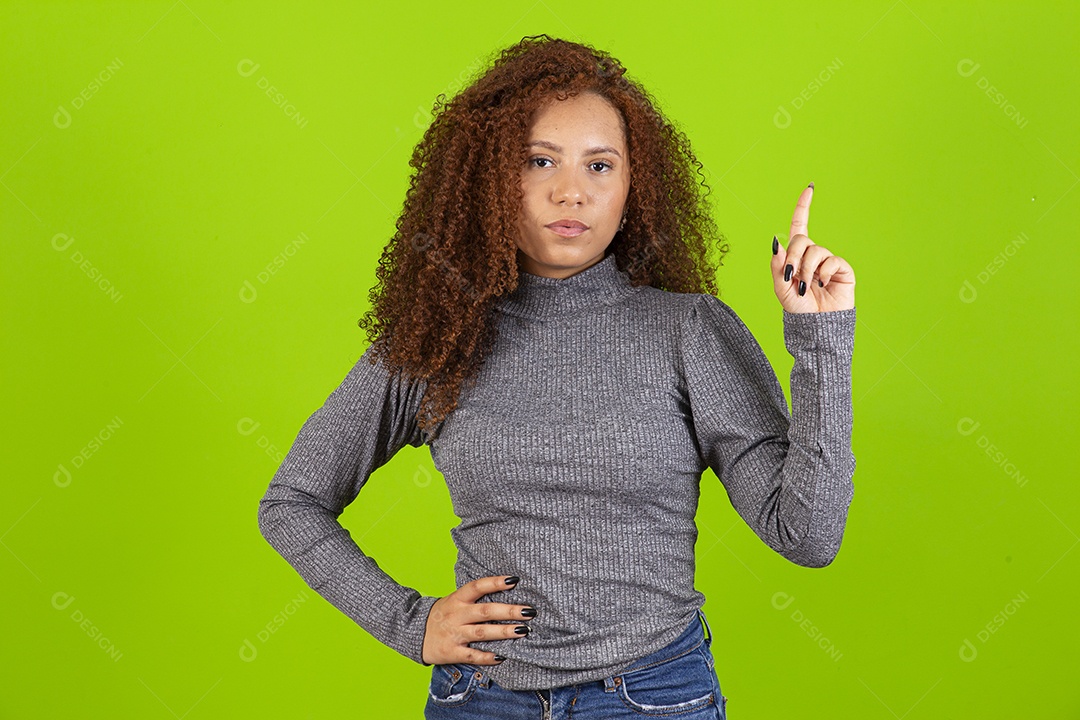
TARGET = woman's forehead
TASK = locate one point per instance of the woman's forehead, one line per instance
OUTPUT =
(586, 118)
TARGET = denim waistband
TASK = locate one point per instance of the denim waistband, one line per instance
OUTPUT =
(688, 641)
(691, 638)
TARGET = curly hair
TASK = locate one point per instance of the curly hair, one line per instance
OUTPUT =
(454, 253)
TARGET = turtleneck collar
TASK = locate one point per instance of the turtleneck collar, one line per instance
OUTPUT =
(542, 298)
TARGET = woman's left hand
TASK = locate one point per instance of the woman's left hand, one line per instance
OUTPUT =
(827, 280)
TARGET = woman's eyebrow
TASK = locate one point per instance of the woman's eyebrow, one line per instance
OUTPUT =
(590, 151)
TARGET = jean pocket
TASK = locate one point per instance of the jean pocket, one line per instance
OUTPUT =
(452, 685)
(677, 686)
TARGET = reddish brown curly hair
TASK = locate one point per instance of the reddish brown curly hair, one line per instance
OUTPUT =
(454, 253)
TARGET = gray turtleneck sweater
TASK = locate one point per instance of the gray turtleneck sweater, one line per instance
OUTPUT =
(574, 463)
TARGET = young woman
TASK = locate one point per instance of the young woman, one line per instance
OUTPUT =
(546, 321)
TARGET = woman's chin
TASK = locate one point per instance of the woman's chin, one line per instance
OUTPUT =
(560, 258)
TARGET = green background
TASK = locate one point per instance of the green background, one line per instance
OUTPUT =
(186, 256)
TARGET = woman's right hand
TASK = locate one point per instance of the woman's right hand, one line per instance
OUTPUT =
(457, 619)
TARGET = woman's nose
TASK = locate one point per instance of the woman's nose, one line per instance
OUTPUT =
(567, 187)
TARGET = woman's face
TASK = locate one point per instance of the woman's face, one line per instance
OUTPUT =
(577, 169)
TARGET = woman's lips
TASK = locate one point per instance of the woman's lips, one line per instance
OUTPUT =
(564, 231)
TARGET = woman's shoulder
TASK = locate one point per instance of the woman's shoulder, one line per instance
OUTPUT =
(690, 307)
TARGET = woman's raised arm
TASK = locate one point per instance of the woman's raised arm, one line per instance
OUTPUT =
(787, 475)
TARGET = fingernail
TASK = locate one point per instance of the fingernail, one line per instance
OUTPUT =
(802, 287)
(522, 630)
(512, 580)
(775, 245)
(529, 612)
(787, 272)
(820, 284)
(811, 186)
(499, 658)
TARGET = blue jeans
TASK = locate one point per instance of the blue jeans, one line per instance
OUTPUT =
(677, 681)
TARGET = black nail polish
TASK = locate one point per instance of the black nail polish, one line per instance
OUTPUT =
(522, 630)
(499, 658)
(802, 287)
(820, 284)
(787, 273)
(775, 245)
(529, 612)
(512, 580)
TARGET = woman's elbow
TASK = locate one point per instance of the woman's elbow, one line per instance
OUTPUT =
(817, 555)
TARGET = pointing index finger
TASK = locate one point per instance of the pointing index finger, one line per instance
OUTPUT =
(801, 218)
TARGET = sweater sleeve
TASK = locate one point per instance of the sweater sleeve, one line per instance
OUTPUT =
(362, 424)
(788, 476)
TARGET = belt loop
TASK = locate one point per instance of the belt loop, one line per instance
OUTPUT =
(708, 636)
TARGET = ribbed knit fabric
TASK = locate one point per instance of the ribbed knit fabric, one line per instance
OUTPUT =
(574, 463)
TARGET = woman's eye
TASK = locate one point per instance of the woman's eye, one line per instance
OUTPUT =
(599, 166)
